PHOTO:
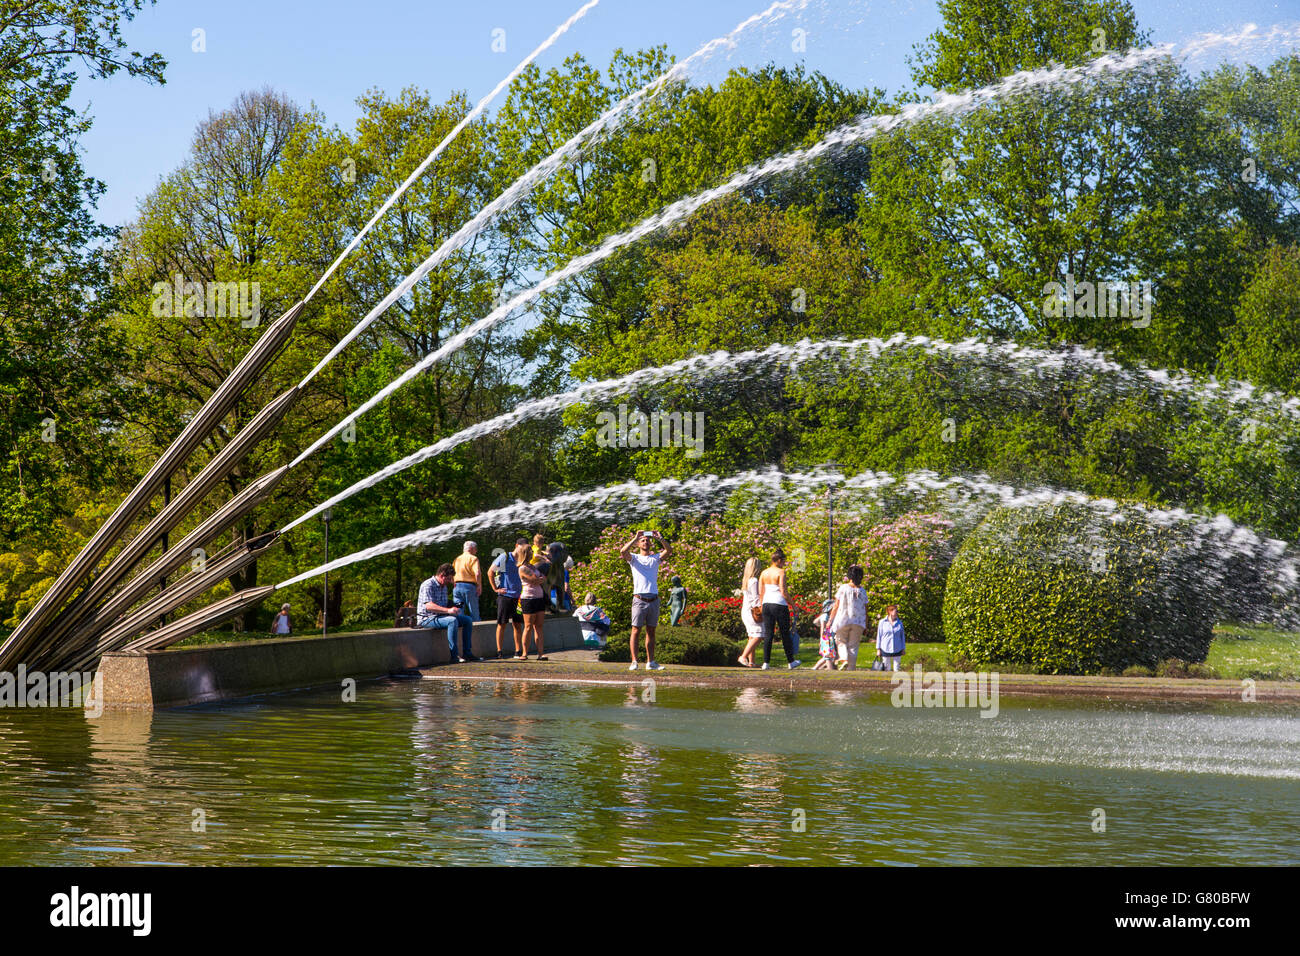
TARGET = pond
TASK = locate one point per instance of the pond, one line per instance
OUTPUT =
(498, 772)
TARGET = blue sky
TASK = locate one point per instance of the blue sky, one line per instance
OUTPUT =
(328, 52)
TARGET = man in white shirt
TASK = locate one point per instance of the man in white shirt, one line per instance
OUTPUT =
(645, 590)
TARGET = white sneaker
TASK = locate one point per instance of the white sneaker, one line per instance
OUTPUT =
(653, 666)
(794, 664)
(632, 666)
(764, 667)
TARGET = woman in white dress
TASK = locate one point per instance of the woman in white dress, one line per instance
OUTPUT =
(753, 628)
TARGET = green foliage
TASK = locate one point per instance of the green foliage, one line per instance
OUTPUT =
(905, 562)
(722, 616)
(1060, 589)
(678, 645)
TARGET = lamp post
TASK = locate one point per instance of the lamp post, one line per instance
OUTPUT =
(326, 515)
(830, 532)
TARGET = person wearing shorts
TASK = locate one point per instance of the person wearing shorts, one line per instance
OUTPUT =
(504, 575)
(645, 591)
(534, 603)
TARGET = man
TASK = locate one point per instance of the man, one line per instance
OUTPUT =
(645, 590)
(469, 580)
(504, 576)
(437, 610)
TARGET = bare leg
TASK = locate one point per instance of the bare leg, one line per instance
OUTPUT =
(539, 625)
(636, 633)
(650, 642)
(748, 653)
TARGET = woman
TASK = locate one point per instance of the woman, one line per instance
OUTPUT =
(848, 618)
(533, 603)
(753, 628)
(776, 609)
(282, 624)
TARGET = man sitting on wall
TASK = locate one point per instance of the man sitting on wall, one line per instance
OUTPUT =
(437, 610)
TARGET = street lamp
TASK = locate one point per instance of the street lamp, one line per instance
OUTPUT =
(326, 515)
(830, 531)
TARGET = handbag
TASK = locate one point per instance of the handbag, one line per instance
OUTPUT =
(756, 614)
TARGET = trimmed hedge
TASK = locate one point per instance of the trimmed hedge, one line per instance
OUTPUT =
(678, 645)
(1066, 590)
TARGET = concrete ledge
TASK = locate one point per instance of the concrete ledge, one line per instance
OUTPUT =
(215, 672)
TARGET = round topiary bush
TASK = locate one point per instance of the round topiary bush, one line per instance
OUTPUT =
(677, 645)
(1065, 589)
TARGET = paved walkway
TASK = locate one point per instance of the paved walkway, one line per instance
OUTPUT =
(574, 667)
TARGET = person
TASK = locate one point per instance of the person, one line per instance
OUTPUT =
(539, 549)
(826, 652)
(568, 594)
(281, 624)
(849, 618)
(405, 615)
(437, 610)
(776, 610)
(593, 621)
(504, 575)
(750, 601)
(890, 641)
(469, 580)
(533, 602)
(645, 591)
(677, 598)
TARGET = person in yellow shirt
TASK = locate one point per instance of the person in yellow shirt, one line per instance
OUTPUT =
(469, 580)
(539, 549)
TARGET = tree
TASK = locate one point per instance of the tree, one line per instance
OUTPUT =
(62, 391)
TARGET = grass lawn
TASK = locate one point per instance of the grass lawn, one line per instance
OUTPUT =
(1250, 650)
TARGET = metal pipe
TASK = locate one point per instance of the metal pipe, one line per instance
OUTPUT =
(138, 586)
(186, 501)
(186, 589)
(191, 624)
(30, 631)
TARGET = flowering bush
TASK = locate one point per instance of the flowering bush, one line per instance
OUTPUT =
(722, 616)
(905, 562)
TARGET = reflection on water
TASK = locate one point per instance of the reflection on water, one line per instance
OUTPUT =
(476, 772)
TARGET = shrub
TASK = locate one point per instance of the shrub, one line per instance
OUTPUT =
(722, 616)
(1062, 590)
(906, 562)
(678, 645)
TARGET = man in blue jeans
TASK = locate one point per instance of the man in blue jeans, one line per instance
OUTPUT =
(437, 610)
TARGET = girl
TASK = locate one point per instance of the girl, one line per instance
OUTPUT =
(533, 603)
(890, 640)
(753, 628)
(826, 651)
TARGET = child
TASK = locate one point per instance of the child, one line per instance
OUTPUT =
(826, 652)
(593, 621)
(677, 598)
(890, 640)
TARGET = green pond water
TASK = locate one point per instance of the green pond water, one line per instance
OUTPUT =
(478, 772)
